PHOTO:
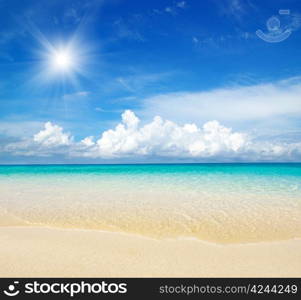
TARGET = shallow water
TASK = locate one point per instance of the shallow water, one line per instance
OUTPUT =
(223, 203)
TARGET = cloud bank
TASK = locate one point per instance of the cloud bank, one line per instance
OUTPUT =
(160, 139)
(231, 104)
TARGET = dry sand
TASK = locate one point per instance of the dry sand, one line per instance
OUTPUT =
(45, 252)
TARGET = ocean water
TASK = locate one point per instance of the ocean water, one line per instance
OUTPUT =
(221, 203)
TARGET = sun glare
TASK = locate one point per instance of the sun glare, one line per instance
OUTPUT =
(62, 60)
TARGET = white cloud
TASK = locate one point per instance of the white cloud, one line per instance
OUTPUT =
(157, 139)
(195, 39)
(126, 29)
(173, 9)
(181, 4)
(235, 8)
(136, 82)
(162, 138)
(52, 136)
(99, 109)
(169, 9)
(19, 128)
(73, 15)
(77, 95)
(88, 141)
(51, 140)
(234, 104)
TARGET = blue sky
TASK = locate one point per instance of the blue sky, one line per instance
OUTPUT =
(189, 62)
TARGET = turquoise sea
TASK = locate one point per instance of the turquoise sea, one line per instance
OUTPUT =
(222, 203)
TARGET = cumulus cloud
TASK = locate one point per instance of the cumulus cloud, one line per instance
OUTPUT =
(267, 116)
(52, 136)
(88, 141)
(165, 138)
(160, 139)
(51, 140)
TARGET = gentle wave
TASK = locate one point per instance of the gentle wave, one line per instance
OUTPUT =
(247, 204)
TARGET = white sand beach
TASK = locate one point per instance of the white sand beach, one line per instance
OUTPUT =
(45, 252)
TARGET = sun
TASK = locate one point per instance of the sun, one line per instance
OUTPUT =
(62, 60)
